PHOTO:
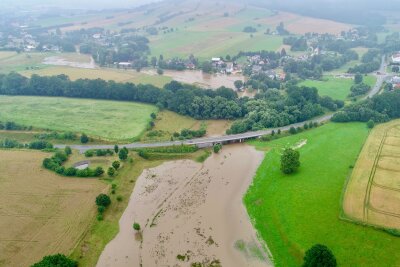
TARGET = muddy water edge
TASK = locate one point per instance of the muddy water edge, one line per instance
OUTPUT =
(190, 212)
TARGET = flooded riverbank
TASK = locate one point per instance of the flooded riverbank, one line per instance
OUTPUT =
(204, 80)
(191, 212)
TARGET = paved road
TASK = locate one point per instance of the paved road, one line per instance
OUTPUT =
(209, 141)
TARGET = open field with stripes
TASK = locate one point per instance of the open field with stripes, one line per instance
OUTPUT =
(40, 212)
(373, 192)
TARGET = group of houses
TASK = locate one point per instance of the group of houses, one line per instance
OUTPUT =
(225, 67)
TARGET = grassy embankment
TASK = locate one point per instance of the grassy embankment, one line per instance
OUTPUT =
(292, 213)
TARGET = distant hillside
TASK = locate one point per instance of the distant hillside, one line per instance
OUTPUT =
(74, 4)
(363, 12)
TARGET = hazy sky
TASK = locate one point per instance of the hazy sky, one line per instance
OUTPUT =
(85, 4)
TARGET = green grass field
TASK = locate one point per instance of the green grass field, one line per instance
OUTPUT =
(337, 88)
(108, 120)
(205, 45)
(292, 213)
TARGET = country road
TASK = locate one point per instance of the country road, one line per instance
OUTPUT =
(209, 141)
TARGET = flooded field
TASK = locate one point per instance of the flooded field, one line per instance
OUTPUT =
(205, 80)
(63, 61)
(191, 213)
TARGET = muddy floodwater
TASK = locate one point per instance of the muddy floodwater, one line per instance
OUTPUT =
(191, 212)
(60, 61)
(205, 80)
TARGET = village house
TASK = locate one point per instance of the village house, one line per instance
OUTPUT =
(396, 58)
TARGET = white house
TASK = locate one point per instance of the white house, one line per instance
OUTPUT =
(396, 58)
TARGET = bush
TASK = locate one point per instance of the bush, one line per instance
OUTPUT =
(119, 198)
(116, 164)
(217, 148)
(68, 150)
(318, 256)
(84, 139)
(98, 171)
(136, 226)
(57, 260)
(116, 149)
(89, 153)
(40, 145)
(370, 124)
(111, 172)
(123, 154)
(292, 130)
(99, 217)
(103, 200)
(290, 161)
(101, 209)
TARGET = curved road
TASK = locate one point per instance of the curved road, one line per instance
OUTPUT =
(209, 141)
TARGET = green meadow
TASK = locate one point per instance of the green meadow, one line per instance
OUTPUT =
(337, 88)
(292, 213)
(109, 120)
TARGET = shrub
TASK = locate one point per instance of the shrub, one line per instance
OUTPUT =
(100, 217)
(319, 255)
(103, 200)
(56, 260)
(116, 164)
(370, 124)
(123, 154)
(290, 161)
(40, 145)
(84, 139)
(292, 130)
(136, 226)
(68, 150)
(111, 172)
(119, 198)
(89, 153)
(217, 148)
(101, 209)
(98, 171)
(70, 171)
(116, 148)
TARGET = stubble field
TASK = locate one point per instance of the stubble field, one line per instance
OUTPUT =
(41, 213)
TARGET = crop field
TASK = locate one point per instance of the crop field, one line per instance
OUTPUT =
(373, 192)
(336, 87)
(292, 213)
(41, 213)
(108, 120)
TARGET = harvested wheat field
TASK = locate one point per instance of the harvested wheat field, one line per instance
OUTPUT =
(41, 213)
(373, 193)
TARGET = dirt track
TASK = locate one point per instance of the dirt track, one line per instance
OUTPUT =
(191, 210)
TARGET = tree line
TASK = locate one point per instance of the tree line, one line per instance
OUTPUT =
(272, 107)
(379, 108)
